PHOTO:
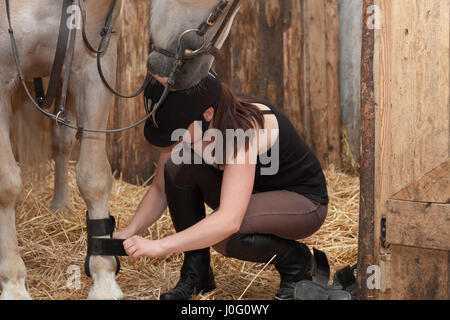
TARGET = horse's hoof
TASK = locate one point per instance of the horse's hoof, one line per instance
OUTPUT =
(105, 290)
(64, 209)
(14, 292)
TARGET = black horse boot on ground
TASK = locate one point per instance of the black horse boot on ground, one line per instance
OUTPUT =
(293, 259)
(186, 208)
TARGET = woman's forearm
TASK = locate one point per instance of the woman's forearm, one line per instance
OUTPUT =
(225, 221)
(153, 204)
(206, 233)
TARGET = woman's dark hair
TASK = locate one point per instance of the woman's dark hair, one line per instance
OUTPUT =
(235, 113)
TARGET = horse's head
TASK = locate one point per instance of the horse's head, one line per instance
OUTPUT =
(169, 20)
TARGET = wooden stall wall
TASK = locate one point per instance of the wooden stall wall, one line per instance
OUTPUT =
(288, 52)
(411, 148)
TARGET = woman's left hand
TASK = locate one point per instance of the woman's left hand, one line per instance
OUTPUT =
(137, 247)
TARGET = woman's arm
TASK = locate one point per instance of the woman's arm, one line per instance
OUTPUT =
(237, 187)
(152, 205)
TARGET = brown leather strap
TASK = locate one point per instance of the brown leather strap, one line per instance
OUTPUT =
(60, 55)
(67, 69)
(234, 6)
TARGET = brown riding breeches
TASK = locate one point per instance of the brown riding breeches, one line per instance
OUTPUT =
(283, 213)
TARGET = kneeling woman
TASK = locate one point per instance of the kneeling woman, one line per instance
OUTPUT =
(260, 209)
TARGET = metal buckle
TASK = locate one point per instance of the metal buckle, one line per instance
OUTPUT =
(209, 21)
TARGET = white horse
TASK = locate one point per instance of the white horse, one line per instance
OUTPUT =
(36, 25)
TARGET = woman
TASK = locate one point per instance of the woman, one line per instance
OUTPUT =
(259, 213)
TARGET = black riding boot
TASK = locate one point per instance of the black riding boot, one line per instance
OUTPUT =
(186, 208)
(293, 259)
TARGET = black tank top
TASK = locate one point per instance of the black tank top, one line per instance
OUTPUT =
(299, 169)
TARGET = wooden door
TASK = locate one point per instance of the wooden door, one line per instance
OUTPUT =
(409, 96)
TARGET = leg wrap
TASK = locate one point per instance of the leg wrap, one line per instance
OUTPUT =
(101, 246)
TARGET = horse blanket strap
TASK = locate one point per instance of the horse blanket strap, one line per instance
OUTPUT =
(102, 246)
(343, 287)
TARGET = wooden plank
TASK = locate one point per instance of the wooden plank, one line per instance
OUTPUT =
(382, 97)
(333, 95)
(419, 115)
(418, 274)
(418, 224)
(293, 52)
(129, 153)
(412, 128)
(272, 21)
(237, 63)
(315, 29)
(432, 187)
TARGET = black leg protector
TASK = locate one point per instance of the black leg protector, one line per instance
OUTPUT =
(102, 246)
(293, 260)
(186, 208)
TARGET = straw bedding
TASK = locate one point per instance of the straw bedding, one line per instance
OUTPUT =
(50, 243)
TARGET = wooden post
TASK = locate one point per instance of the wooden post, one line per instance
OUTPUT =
(367, 200)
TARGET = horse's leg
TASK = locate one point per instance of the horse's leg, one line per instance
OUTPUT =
(62, 144)
(12, 268)
(94, 177)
